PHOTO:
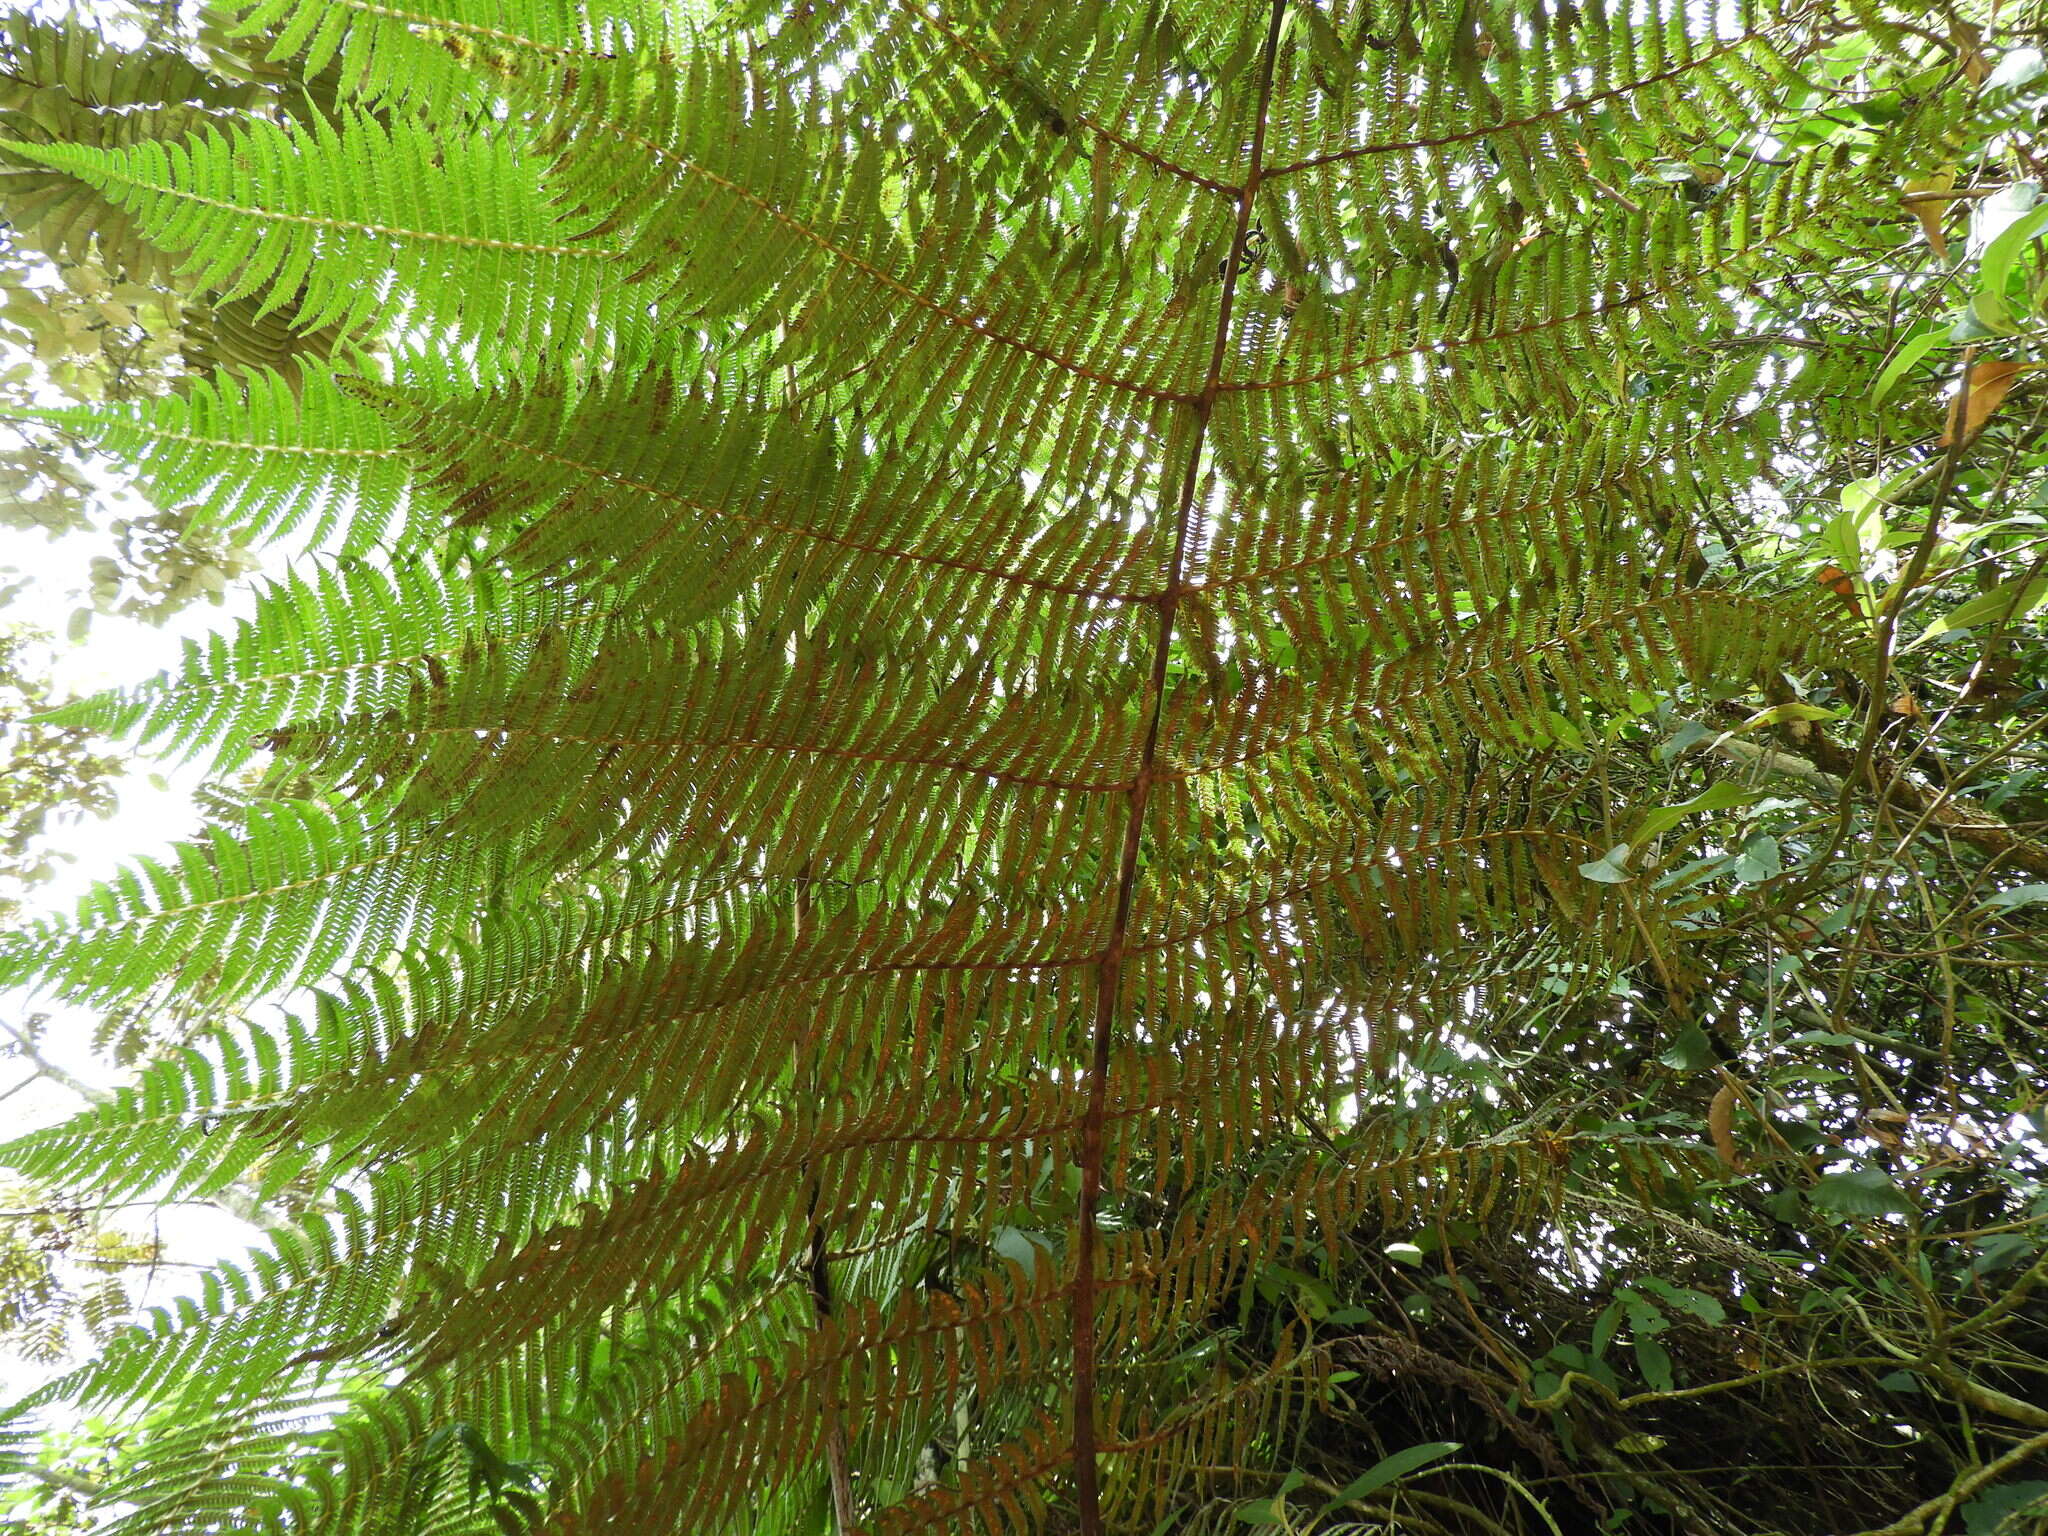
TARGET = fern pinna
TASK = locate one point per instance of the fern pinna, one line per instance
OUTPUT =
(924, 629)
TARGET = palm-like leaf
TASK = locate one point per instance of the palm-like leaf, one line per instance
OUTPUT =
(1026, 574)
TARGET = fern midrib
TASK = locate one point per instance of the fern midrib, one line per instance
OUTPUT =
(1019, 1472)
(1316, 723)
(795, 748)
(684, 504)
(676, 1370)
(398, 233)
(1448, 526)
(1308, 879)
(1109, 969)
(1568, 108)
(280, 450)
(453, 27)
(1632, 300)
(931, 16)
(73, 421)
(1565, 640)
(259, 681)
(972, 326)
(325, 877)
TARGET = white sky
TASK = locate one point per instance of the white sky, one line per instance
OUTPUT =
(116, 652)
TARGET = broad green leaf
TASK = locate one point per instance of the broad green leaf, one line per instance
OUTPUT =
(2016, 70)
(1644, 1320)
(1760, 859)
(1717, 797)
(1610, 868)
(2001, 1250)
(1859, 526)
(1778, 714)
(2008, 603)
(1861, 1192)
(1984, 317)
(1654, 1361)
(1389, 1468)
(1682, 740)
(1272, 1511)
(1996, 214)
(2018, 896)
(1903, 360)
(1995, 266)
(1702, 1306)
(1020, 1247)
(1690, 1050)
(2007, 1510)
(1605, 1325)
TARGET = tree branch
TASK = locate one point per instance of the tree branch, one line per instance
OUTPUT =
(1915, 1521)
(1824, 774)
(69, 1481)
(48, 1068)
(1959, 818)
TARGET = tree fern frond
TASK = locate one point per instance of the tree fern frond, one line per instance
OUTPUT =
(975, 682)
(92, 72)
(233, 916)
(338, 641)
(1560, 308)
(283, 215)
(704, 491)
(61, 83)
(1053, 345)
(1479, 513)
(266, 457)
(446, 53)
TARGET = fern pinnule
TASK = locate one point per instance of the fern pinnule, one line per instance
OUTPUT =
(955, 654)
(235, 917)
(297, 216)
(266, 458)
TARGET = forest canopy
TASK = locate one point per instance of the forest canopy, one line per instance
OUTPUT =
(1135, 766)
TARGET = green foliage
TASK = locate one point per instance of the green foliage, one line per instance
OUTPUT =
(66, 84)
(475, 257)
(1026, 739)
(49, 770)
(235, 448)
(93, 310)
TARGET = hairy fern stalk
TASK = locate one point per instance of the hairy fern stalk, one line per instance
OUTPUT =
(930, 630)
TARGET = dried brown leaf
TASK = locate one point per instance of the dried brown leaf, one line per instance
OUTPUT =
(1989, 383)
(1931, 210)
(1721, 1125)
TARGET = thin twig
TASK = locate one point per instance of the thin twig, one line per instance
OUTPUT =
(47, 1068)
